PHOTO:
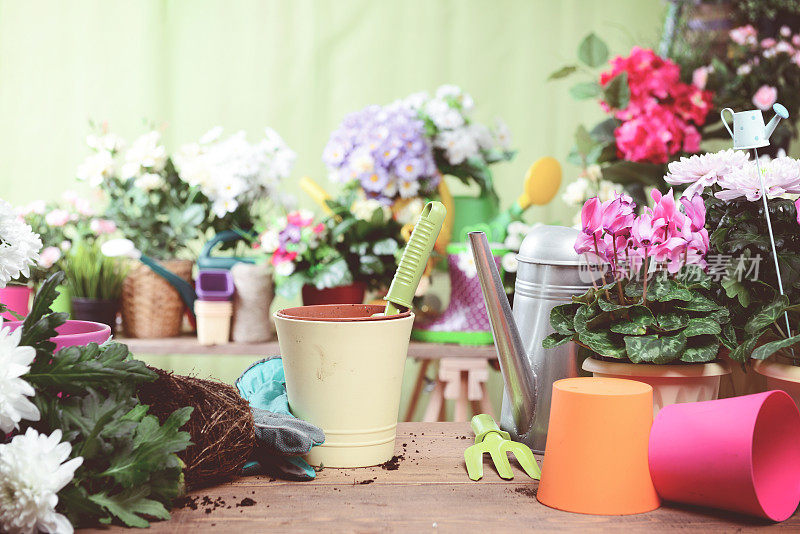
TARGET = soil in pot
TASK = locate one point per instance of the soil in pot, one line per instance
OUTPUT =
(96, 310)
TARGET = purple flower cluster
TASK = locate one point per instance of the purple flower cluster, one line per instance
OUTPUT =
(385, 150)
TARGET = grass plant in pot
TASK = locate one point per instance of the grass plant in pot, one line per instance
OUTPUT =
(657, 320)
(95, 283)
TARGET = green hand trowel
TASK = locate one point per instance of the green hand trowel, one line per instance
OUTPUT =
(415, 257)
(489, 438)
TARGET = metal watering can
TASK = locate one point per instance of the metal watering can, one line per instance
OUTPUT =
(550, 272)
(206, 260)
(748, 126)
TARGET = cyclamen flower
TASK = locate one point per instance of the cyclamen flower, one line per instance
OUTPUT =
(49, 256)
(704, 170)
(19, 245)
(33, 469)
(57, 218)
(765, 97)
(781, 176)
(103, 226)
(743, 35)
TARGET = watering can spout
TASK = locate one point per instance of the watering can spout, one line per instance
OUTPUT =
(780, 113)
(518, 375)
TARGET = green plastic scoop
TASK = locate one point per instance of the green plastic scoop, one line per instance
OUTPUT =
(415, 257)
(489, 438)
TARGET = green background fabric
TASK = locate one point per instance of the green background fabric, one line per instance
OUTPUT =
(296, 65)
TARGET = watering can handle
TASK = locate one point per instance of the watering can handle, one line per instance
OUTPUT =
(722, 116)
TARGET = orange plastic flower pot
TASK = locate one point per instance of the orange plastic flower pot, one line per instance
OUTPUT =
(595, 459)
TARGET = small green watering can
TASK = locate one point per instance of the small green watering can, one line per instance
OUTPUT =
(207, 261)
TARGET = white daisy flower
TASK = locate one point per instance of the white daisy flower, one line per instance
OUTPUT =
(19, 245)
(466, 264)
(96, 168)
(509, 262)
(147, 153)
(149, 181)
(284, 268)
(33, 469)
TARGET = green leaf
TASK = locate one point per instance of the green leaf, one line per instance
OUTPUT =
(603, 343)
(593, 51)
(562, 318)
(672, 320)
(728, 336)
(700, 326)
(699, 303)
(584, 315)
(634, 321)
(585, 90)
(655, 349)
(289, 286)
(563, 72)
(333, 274)
(131, 506)
(768, 349)
(616, 92)
(583, 140)
(736, 290)
(743, 350)
(555, 339)
(631, 172)
(701, 349)
(767, 315)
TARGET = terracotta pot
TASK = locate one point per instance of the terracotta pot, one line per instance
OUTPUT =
(151, 307)
(349, 294)
(16, 299)
(672, 384)
(783, 376)
(96, 310)
(740, 381)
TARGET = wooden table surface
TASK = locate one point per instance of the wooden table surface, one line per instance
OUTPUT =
(428, 492)
(187, 344)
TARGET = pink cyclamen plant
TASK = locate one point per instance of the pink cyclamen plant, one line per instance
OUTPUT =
(668, 234)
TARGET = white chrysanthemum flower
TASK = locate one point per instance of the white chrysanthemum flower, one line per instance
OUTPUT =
(704, 170)
(466, 263)
(364, 209)
(459, 145)
(15, 362)
(149, 181)
(608, 190)
(110, 142)
(269, 241)
(96, 168)
(576, 192)
(19, 245)
(33, 469)
(284, 268)
(509, 262)
(781, 176)
(146, 152)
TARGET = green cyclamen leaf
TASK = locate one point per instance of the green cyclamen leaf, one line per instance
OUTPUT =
(672, 320)
(768, 349)
(699, 303)
(562, 318)
(767, 315)
(701, 349)
(655, 349)
(555, 339)
(603, 343)
(634, 321)
(584, 315)
(702, 326)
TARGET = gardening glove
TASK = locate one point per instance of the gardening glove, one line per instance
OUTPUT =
(281, 437)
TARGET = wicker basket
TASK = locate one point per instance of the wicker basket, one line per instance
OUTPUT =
(151, 307)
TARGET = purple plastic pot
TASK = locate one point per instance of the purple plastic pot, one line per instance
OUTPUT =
(74, 333)
(214, 284)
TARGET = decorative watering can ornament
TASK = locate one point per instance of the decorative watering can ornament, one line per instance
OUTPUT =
(749, 132)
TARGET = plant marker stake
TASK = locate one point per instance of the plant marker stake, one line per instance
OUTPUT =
(415, 257)
(772, 240)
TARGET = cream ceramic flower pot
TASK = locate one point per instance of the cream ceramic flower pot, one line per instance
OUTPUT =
(781, 376)
(344, 372)
(672, 384)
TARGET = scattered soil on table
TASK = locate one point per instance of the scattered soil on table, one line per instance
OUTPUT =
(394, 463)
(528, 492)
(247, 501)
(362, 482)
(205, 501)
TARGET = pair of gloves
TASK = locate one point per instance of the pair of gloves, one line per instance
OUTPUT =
(281, 438)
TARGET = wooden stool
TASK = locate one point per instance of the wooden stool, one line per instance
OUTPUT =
(460, 379)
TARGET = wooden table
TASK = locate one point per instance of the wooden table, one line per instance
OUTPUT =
(188, 344)
(428, 492)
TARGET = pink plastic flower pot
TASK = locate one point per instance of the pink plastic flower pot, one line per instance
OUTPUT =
(740, 454)
(16, 299)
(75, 333)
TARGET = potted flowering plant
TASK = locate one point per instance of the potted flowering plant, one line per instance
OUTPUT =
(756, 68)
(236, 178)
(656, 321)
(741, 248)
(303, 259)
(155, 209)
(18, 253)
(95, 283)
(654, 117)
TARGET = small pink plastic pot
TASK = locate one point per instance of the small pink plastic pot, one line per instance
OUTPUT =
(740, 454)
(74, 333)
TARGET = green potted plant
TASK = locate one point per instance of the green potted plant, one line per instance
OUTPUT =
(95, 283)
(656, 321)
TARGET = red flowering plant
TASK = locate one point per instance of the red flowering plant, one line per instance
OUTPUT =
(654, 117)
(658, 304)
